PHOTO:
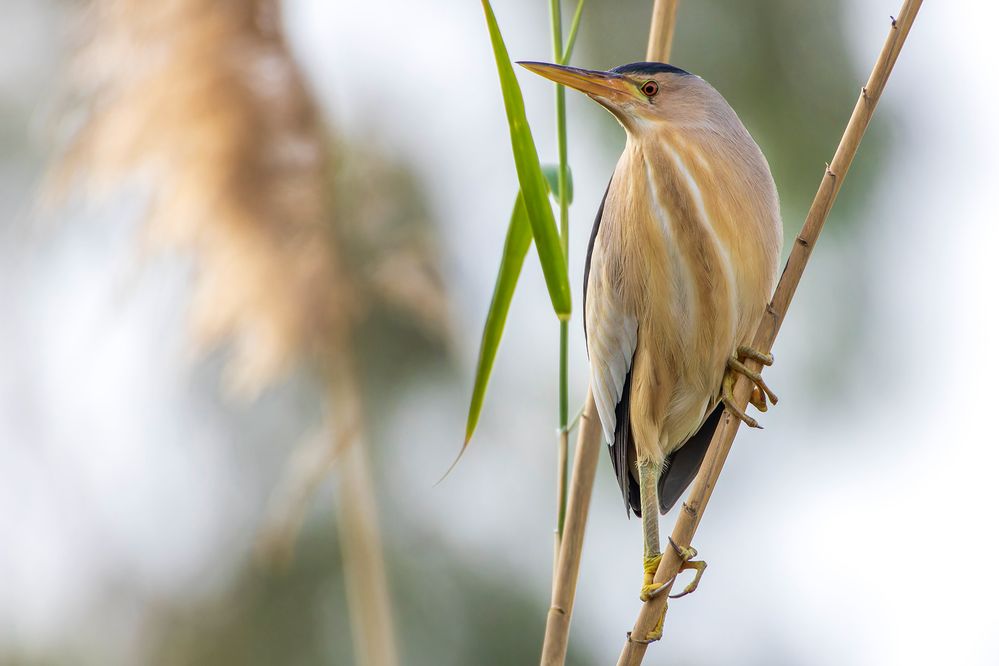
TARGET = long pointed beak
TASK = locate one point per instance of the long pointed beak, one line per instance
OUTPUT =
(603, 86)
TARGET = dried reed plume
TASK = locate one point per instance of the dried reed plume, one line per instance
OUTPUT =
(198, 106)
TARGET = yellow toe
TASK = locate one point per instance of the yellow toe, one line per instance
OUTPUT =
(649, 590)
(657, 631)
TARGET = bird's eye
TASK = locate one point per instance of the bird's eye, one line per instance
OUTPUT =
(650, 88)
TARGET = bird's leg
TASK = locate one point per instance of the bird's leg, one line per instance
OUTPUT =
(648, 487)
(761, 392)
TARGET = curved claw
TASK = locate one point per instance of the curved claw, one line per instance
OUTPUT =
(686, 555)
(698, 566)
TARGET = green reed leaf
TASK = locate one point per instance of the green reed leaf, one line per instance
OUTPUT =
(532, 181)
(518, 241)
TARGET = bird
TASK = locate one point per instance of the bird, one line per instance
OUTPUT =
(682, 261)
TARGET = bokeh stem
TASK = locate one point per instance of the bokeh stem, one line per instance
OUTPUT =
(360, 540)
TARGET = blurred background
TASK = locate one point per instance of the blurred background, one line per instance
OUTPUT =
(272, 227)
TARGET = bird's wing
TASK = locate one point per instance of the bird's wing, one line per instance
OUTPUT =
(611, 337)
(685, 462)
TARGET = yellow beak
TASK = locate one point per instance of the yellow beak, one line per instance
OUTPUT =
(604, 86)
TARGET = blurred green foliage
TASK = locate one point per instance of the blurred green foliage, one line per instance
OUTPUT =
(449, 613)
(388, 240)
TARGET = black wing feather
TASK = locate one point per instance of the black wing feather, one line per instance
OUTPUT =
(686, 461)
(621, 447)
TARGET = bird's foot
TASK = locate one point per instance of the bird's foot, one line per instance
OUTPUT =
(652, 636)
(761, 392)
(687, 555)
(649, 588)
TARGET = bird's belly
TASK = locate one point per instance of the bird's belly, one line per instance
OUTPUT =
(689, 317)
(690, 261)
(691, 331)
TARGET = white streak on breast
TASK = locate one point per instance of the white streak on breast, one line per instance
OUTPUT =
(683, 309)
(708, 225)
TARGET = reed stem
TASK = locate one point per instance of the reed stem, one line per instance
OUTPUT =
(584, 472)
(561, 55)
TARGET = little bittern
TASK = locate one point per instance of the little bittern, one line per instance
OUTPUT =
(682, 261)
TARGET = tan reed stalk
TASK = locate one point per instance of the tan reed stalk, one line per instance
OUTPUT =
(661, 31)
(832, 180)
(588, 443)
(566, 574)
(360, 540)
(561, 466)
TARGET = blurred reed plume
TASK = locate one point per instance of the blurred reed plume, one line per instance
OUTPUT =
(198, 107)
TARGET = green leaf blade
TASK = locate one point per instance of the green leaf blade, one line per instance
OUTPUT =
(532, 181)
(518, 241)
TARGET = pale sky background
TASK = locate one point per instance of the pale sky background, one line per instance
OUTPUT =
(858, 528)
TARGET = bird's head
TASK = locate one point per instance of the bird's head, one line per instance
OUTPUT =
(642, 95)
